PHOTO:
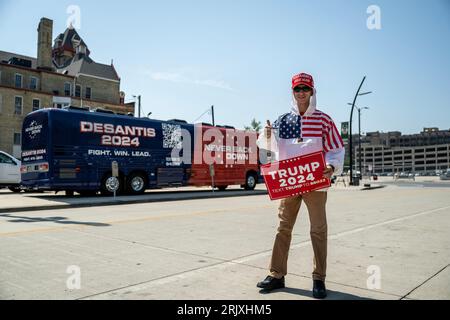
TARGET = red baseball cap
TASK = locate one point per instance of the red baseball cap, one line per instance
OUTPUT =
(302, 78)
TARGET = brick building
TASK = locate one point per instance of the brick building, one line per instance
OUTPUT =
(62, 74)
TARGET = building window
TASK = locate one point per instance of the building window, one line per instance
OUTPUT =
(33, 83)
(36, 104)
(78, 91)
(88, 92)
(67, 89)
(17, 139)
(18, 105)
(18, 80)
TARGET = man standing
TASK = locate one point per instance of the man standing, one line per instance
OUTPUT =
(302, 131)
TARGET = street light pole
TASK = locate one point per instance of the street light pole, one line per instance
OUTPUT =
(359, 134)
(350, 137)
(359, 140)
(360, 155)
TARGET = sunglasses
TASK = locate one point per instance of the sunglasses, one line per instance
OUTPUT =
(302, 89)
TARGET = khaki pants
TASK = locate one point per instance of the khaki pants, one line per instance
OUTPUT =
(288, 211)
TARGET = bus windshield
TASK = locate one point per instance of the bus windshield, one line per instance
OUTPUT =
(35, 137)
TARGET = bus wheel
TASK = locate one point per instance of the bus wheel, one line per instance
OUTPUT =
(15, 189)
(250, 182)
(136, 183)
(109, 184)
(222, 188)
(69, 193)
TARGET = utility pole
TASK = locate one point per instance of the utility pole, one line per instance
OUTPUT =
(139, 105)
(212, 114)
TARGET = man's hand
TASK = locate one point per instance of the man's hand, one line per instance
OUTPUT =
(268, 130)
(328, 172)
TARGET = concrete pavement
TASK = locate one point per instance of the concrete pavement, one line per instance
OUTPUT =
(219, 248)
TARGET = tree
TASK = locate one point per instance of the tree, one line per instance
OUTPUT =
(254, 126)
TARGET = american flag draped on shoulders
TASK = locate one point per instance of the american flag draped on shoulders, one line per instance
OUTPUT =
(316, 125)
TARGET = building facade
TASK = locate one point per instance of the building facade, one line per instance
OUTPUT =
(61, 75)
(391, 152)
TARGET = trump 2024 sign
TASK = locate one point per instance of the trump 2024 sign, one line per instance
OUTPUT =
(295, 176)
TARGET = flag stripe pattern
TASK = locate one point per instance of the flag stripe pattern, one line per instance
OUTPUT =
(316, 125)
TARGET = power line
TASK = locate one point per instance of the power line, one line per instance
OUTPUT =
(207, 111)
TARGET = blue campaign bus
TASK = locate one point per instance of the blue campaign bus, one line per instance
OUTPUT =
(72, 150)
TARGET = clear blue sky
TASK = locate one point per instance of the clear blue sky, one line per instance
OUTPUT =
(183, 56)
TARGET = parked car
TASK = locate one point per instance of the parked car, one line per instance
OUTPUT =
(9, 172)
(404, 175)
(357, 174)
(445, 175)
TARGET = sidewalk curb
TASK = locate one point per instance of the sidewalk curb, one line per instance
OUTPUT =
(175, 197)
(112, 202)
